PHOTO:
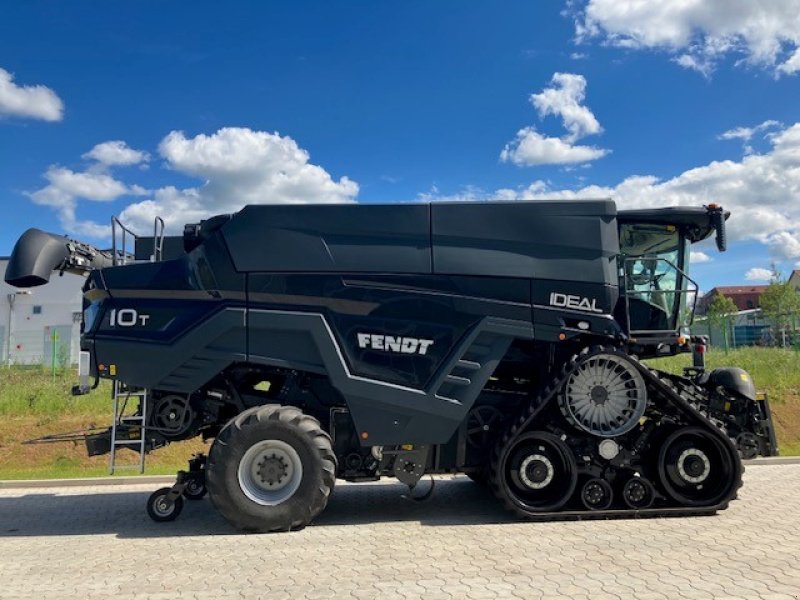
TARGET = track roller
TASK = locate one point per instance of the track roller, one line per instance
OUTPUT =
(638, 493)
(597, 494)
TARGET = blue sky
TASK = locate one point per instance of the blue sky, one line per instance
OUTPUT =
(391, 101)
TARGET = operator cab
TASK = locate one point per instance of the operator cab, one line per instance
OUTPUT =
(657, 292)
(658, 289)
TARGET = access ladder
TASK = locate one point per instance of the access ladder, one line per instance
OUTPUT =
(128, 430)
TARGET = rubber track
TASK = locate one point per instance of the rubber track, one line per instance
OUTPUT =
(548, 395)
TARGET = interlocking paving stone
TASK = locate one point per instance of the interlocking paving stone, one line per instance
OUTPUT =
(97, 542)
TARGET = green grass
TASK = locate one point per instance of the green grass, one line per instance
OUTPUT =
(774, 370)
(32, 391)
(78, 472)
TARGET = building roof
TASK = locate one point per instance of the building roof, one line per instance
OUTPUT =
(729, 290)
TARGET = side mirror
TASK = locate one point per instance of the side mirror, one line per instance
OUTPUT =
(718, 216)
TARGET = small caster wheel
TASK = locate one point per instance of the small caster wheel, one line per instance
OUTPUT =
(195, 490)
(160, 509)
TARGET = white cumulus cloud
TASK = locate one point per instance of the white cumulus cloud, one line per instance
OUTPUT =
(28, 101)
(698, 33)
(66, 187)
(563, 99)
(696, 257)
(758, 274)
(235, 166)
(238, 166)
(116, 153)
(531, 148)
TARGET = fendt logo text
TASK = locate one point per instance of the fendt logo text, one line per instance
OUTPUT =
(575, 302)
(391, 343)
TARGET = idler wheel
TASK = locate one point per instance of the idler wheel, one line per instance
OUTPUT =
(695, 468)
(539, 473)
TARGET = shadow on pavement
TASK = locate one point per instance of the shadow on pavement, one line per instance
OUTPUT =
(453, 502)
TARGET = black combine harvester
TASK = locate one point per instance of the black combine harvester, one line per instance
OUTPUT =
(500, 340)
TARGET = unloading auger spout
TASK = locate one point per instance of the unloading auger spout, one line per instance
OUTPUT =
(37, 254)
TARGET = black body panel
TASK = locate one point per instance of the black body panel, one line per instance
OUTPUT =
(406, 309)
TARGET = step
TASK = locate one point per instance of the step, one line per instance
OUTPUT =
(456, 380)
(470, 365)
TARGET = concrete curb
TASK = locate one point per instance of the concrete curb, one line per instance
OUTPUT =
(772, 460)
(11, 484)
(170, 479)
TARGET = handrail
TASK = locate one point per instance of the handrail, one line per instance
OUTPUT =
(120, 254)
(158, 239)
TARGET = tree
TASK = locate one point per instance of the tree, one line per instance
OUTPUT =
(780, 303)
(721, 311)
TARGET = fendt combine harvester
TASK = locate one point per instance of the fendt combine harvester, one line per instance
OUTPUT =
(501, 340)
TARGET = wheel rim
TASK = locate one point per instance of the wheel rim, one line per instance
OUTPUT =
(270, 472)
(606, 396)
(162, 508)
(597, 494)
(695, 468)
(638, 493)
(539, 472)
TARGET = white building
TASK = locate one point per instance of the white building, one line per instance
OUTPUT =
(31, 318)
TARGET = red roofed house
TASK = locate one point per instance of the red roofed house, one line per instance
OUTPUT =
(745, 297)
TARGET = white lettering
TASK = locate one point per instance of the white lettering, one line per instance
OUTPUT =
(391, 343)
(424, 345)
(126, 317)
(575, 302)
(363, 340)
(410, 346)
(377, 342)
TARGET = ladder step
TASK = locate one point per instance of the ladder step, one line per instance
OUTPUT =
(468, 364)
(127, 442)
(446, 399)
(131, 419)
(456, 380)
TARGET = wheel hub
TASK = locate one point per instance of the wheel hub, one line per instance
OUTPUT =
(272, 471)
(693, 465)
(636, 492)
(536, 471)
(599, 394)
(594, 493)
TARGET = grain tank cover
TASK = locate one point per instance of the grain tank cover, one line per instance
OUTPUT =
(566, 240)
(569, 240)
(331, 238)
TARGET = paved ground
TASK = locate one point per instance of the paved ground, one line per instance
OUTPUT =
(370, 543)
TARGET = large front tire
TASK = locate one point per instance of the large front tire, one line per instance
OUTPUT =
(271, 468)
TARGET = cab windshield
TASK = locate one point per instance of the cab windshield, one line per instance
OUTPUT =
(656, 284)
